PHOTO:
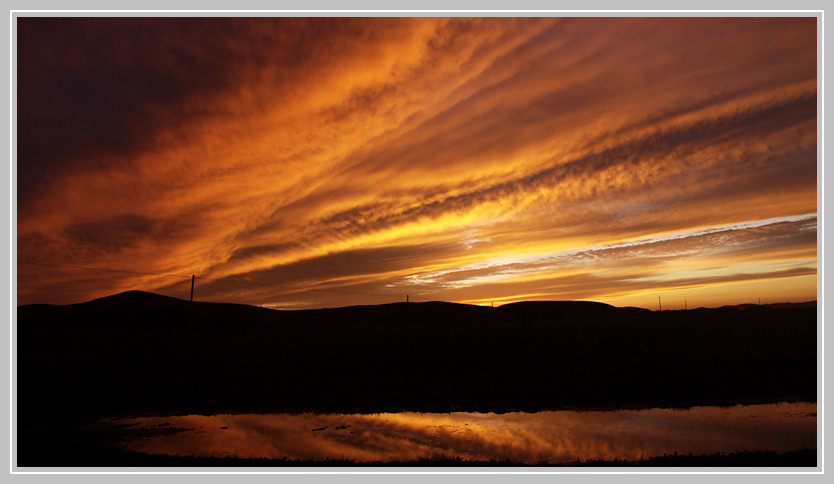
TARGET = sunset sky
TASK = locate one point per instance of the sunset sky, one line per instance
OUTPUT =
(320, 162)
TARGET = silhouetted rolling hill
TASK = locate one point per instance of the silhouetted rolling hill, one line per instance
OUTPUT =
(143, 310)
(139, 353)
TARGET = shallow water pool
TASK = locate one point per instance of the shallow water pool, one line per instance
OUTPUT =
(532, 438)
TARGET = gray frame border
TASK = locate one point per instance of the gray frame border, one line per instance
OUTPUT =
(368, 8)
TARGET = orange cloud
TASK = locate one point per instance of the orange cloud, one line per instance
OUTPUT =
(301, 156)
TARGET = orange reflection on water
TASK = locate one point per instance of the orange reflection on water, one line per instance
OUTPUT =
(544, 437)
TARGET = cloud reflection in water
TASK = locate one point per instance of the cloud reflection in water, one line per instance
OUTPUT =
(552, 437)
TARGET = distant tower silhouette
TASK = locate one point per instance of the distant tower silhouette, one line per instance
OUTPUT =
(659, 306)
(192, 288)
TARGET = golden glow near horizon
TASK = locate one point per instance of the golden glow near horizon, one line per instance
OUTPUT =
(298, 163)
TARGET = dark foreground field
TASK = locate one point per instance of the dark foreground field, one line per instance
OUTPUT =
(142, 354)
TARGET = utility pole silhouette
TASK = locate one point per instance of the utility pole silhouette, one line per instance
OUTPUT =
(188, 342)
(684, 305)
(659, 307)
(406, 298)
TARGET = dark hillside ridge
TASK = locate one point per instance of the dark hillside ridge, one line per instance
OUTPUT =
(141, 353)
(134, 304)
(139, 308)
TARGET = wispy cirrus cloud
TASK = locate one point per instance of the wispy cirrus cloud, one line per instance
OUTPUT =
(360, 156)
